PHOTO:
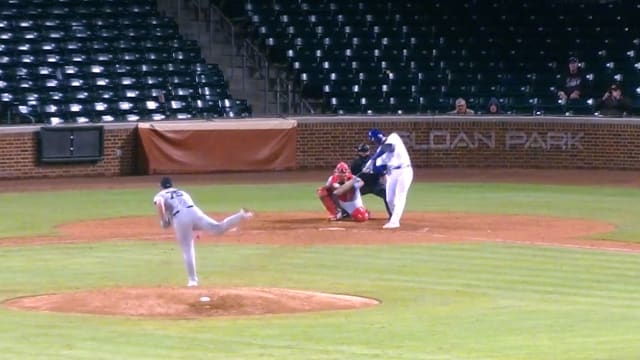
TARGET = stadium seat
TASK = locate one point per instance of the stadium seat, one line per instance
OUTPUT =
(179, 109)
(103, 111)
(207, 108)
(78, 112)
(52, 113)
(415, 37)
(127, 110)
(235, 107)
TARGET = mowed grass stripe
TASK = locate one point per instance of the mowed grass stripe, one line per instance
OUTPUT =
(526, 253)
(590, 268)
(589, 265)
(194, 339)
(623, 299)
(569, 279)
(477, 253)
(276, 349)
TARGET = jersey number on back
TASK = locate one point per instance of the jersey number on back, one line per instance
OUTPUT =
(177, 196)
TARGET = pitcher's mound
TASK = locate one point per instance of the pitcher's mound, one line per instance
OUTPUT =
(189, 302)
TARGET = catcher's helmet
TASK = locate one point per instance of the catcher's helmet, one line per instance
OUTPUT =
(166, 183)
(376, 136)
(342, 168)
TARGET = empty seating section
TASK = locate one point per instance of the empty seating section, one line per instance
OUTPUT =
(417, 56)
(101, 60)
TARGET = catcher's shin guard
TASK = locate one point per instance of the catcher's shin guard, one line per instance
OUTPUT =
(327, 200)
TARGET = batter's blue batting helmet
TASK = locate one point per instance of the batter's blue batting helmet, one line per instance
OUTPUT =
(166, 183)
(376, 136)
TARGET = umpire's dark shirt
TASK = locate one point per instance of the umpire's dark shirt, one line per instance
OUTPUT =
(370, 180)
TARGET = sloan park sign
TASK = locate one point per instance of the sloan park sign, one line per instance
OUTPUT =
(512, 140)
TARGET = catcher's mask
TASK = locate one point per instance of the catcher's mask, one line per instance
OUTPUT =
(362, 148)
(342, 169)
(376, 136)
(166, 183)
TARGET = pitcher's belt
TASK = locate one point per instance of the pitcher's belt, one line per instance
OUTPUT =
(177, 211)
(397, 167)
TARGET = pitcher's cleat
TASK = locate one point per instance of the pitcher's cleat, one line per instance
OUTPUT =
(246, 213)
(192, 283)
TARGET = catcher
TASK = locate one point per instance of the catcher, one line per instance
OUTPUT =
(342, 192)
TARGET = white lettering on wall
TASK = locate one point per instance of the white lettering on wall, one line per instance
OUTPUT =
(448, 140)
(573, 140)
(547, 141)
(439, 140)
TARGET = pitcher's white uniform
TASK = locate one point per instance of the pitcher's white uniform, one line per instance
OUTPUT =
(399, 174)
(186, 218)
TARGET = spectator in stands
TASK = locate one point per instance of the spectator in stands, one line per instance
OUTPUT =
(493, 107)
(613, 103)
(571, 88)
(461, 108)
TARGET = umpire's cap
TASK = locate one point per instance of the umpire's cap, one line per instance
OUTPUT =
(166, 182)
(362, 148)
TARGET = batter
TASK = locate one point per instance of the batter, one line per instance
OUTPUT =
(175, 207)
(392, 159)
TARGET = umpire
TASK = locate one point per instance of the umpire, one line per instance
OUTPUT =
(372, 182)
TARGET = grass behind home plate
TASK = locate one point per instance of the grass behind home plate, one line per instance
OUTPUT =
(464, 301)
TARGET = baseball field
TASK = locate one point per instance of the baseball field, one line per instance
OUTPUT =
(487, 265)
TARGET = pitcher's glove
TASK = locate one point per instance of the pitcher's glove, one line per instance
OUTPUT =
(165, 223)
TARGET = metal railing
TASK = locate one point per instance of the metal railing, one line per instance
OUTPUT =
(285, 91)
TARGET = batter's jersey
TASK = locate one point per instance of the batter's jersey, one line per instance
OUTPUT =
(174, 200)
(399, 158)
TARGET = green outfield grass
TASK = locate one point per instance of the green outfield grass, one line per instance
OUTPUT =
(456, 301)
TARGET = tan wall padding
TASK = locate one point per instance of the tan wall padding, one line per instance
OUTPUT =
(210, 147)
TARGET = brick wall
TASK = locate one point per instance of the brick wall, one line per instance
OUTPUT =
(19, 158)
(528, 142)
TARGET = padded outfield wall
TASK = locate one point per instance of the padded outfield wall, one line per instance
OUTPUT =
(320, 142)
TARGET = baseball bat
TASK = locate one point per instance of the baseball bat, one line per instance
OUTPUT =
(347, 185)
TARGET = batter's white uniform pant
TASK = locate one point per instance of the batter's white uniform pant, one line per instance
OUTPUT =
(397, 186)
